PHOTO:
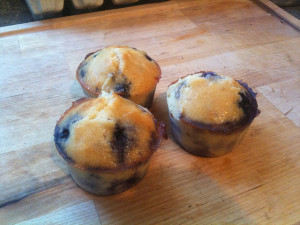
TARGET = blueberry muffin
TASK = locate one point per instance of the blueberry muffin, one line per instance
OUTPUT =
(209, 113)
(126, 71)
(107, 142)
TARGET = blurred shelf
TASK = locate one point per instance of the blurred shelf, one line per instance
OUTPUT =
(16, 11)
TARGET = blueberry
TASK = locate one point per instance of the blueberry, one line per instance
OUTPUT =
(245, 102)
(148, 57)
(249, 90)
(248, 102)
(210, 75)
(178, 89)
(88, 55)
(123, 141)
(249, 105)
(83, 69)
(97, 53)
(62, 133)
(82, 72)
(123, 89)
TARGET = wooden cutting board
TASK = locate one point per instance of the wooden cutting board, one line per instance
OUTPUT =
(257, 183)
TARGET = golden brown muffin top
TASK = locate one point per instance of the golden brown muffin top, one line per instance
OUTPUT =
(207, 98)
(124, 70)
(106, 133)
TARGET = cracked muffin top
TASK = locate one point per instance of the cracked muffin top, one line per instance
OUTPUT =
(209, 98)
(106, 133)
(126, 71)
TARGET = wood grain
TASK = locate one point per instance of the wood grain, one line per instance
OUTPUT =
(257, 183)
(285, 99)
(84, 213)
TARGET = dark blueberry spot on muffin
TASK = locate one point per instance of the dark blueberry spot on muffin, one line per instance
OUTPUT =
(245, 103)
(245, 85)
(249, 105)
(97, 53)
(210, 75)
(75, 118)
(82, 69)
(88, 55)
(60, 144)
(134, 48)
(178, 89)
(82, 72)
(97, 89)
(57, 134)
(123, 140)
(120, 140)
(148, 57)
(62, 133)
(123, 89)
(248, 102)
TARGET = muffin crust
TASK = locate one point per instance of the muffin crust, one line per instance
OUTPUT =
(106, 133)
(126, 71)
(209, 113)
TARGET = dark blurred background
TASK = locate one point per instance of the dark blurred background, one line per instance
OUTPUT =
(16, 11)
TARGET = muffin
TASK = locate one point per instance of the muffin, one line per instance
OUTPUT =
(209, 113)
(126, 71)
(107, 142)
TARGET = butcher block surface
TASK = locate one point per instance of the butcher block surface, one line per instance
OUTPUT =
(257, 183)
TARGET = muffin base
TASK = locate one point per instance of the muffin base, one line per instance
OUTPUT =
(106, 182)
(203, 142)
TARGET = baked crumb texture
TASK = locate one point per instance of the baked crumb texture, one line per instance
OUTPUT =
(129, 72)
(210, 113)
(107, 142)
